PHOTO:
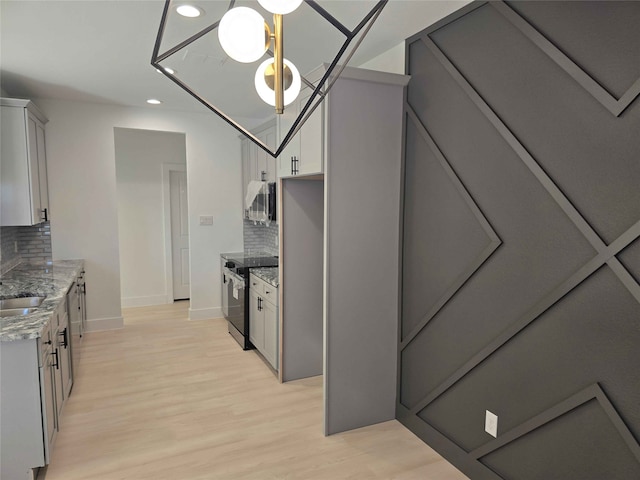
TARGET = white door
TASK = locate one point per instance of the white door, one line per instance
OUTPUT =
(179, 234)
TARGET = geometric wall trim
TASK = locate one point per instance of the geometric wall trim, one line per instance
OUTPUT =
(615, 106)
(605, 252)
(489, 92)
(583, 396)
(493, 241)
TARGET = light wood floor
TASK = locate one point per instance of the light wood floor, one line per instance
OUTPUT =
(168, 398)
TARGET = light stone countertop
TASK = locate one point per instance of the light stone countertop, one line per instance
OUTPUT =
(51, 280)
(268, 274)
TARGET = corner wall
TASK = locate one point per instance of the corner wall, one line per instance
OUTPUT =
(82, 190)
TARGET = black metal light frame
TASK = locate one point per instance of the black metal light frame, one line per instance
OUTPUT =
(319, 91)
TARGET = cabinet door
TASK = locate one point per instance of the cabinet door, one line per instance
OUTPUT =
(246, 175)
(64, 351)
(270, 140)
(34, 178)
(49, 406)
(58, 387)
(256, 321)
(21, 193)
(45, 214)
(285, 122)
(73, 309)
(262, 158)
(311, 136)
(270, 350)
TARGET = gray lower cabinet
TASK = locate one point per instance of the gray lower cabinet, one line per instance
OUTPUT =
(263, 319)
(75, 325)
(36, 381)
(63, 345)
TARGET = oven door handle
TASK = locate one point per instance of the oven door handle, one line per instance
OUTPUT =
(234, 277)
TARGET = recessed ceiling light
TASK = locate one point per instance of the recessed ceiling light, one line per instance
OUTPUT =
(189, 11)
(154, 101)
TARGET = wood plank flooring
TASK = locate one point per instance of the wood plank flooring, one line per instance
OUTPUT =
(168, 398)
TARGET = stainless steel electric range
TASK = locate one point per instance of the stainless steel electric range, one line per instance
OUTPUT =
(235, 269)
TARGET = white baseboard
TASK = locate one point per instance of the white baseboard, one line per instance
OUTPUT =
(205, 313)
(102, 324)
(144, 301)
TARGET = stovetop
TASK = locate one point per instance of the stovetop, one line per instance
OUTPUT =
(250, 261)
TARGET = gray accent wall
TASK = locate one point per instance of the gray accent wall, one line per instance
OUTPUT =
(521, 240)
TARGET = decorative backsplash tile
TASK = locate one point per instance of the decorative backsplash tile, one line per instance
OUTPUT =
(33, 245)
(260, 238)
(8, 254)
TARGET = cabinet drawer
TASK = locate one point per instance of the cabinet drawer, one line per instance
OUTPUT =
(270, 294)
(257, 285)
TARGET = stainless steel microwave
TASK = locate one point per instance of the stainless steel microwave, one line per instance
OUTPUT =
(260, 203)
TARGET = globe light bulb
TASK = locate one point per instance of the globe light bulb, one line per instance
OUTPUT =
(281, 7)
(264, 82)
(243, 34)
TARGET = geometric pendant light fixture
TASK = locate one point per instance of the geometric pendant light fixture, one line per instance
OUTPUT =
(246, 61)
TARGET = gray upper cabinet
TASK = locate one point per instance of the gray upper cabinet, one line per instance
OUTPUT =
(304, 155)
(258, 165)
(25, 194)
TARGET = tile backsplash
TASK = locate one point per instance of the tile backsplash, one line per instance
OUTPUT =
(33, 245)
(260, 238)
(9, 255)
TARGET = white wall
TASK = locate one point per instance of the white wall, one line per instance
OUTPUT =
(391, 61)
(140, 155)
(82, 186)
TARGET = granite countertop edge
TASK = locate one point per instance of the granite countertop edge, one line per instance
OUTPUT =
(268, 274)
(51, 280)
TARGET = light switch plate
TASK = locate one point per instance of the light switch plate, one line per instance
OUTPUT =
(206, 219)
(491, 423)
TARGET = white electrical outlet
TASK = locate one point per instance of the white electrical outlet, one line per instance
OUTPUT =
(491, 424)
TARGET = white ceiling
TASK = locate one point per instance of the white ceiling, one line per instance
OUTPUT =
(100, 51)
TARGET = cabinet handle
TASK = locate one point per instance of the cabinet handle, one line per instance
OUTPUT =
(57, 364)
(267, 292)
(44, 215)
(294, 165)
(259, 304)
(65, 340)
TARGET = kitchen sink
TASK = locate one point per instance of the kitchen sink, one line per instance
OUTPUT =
(17, 303)
(11, 312)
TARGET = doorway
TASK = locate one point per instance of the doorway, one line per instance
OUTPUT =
(145, 162)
